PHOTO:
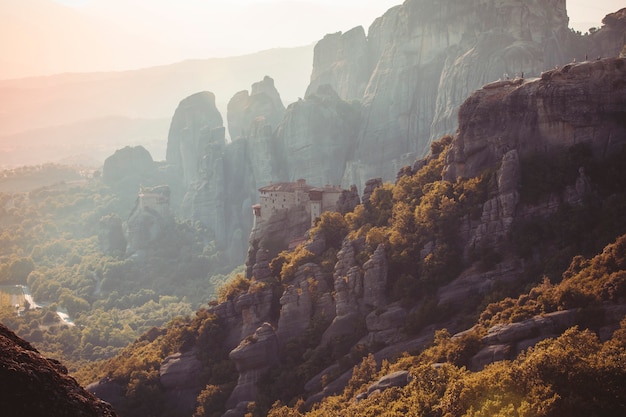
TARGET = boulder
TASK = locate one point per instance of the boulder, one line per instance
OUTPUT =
(396, 379)
(386, 326)
(490, 354)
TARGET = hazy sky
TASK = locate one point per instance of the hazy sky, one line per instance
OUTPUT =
(48, 36)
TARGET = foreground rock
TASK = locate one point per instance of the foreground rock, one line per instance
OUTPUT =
(33, 386)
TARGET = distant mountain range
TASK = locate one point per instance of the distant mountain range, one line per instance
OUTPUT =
(62, 117)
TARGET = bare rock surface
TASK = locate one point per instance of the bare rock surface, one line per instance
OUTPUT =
(249, 113)
(178, 375)
(253, 357)
(190, 132)
(342, 60)
(578, 103)
(128, 162)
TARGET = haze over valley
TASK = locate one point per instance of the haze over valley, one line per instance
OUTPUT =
(312, 208)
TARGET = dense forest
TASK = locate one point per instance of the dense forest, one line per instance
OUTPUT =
(574, 260)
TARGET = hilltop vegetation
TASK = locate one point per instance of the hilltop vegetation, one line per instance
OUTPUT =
(574, 374)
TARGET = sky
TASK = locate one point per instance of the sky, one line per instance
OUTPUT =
(49, 36)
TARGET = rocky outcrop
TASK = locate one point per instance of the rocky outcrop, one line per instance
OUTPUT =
(251, 113)
(578, 103)
(232, 322)
(371, 185)
(319, 135)
(375, 279)
(31, 385)
(609, 41)
(348, 200)
(385, 325)
(394, 379)
(130, 162)
(297, 303)
(178, 375)
(499, 212)
(342, 60)
(191, 132)
(253, 357)
(148, 220)
(255, 308)
(278, 231)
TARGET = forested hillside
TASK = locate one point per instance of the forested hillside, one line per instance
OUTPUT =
(572, 266)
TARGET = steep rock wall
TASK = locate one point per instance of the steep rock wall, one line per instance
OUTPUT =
(578, 103)
(424, 59)
(318, 135)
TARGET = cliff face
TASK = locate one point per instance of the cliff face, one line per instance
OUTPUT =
(424, 58)
(374, 103)
(421, 60)
(499, 125)
(31, 385)
(318, 136)
(342, 60)
(542, 114)
(250, 112)
(191, 132)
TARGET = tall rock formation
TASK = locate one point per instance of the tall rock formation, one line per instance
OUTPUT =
(191, 132)
(196, 150)
(342, 60)
(250, 113)
(130, 162)
(319, 134)
(424, 58)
